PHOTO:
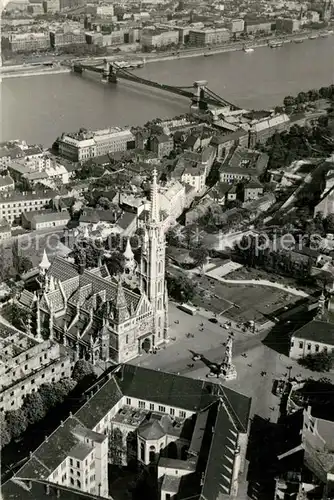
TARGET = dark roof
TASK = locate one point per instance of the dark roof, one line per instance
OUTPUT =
(317, 331)
(182, 392)
(163, 138)
(6, 181)
(151, 430)
(15, 490)
(253, 184)
(233, 136)
(219, 467)
(125, 220)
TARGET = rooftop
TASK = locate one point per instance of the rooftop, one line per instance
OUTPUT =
(316, 331)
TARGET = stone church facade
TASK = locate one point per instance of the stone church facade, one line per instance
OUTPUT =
(100, 317)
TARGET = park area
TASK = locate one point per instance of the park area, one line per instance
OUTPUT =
(240, 302)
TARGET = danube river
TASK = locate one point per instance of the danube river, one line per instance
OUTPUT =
(39, 108)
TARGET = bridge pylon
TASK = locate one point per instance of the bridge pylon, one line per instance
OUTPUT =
(112, 78)
(105, 72)
(197, 102)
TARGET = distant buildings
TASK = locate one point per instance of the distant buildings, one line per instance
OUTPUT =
(244, 164)
(202, 37)
(86, 144)
(64, 38)
(29, 42)
(6, 183)
(162, 145)
(258, 26)
(237, 26)
(143, 415)
(157, 38)
(13, 204)
(45, 219)
(287, 25)
(26, 363)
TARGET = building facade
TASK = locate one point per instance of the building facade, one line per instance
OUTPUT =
(27, 362)
(157, 38)
(200, 38)
(85, 144)
(13, 204)
(29, 42)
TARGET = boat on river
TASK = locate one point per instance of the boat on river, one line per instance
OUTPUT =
(248, 49)
(275, 44)
(299, 41)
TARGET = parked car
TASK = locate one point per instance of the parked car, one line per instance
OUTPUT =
(213, 320)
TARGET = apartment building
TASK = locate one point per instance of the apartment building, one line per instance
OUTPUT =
(6, 183)
(27, 362)
(312, 338)
(202, 37)
(85, 144)
(258, 26)
(44, 219)
(63, 38)
(237, 25)
(146, 417)
(14, 203)
(172, 199)
(287, 25)
(157, 38)
(28, 42)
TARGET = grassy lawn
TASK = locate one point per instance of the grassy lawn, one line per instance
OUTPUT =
(252, 302)
(245, 273)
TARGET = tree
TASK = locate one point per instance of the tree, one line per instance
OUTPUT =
(319, 362)
(116, 447)
(115, 263)
(16, 423)
(81, 369)
(180, 288)
(4, 432)
(200, 256)
(33, 408)
(289, 101)
(104, 203)
(25, 265)
(64, 387)
(49, 396)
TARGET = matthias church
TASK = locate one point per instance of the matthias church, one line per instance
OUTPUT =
(102, 317)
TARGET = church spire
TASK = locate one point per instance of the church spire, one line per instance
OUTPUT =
(154, 213)
(121, 308)
(44, 264)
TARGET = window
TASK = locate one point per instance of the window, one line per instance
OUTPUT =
(78, 473)
(182, 414)
(71, 461)
(316, 348)
(72, 480)
(128, 401)
(172, 411)
(151, 406)
(141, 404)
(308, 347)
(26, 367)
(162, 408)
(32, 381)
(45, 356)
(301, 345)
(92, 477)
(127, 339)
(78, 464)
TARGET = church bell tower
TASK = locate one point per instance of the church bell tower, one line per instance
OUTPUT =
(152, 266)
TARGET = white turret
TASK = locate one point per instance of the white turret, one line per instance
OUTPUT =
(128, 254)
(154, 214)
(44, 264)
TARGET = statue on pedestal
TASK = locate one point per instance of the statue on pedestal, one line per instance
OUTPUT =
(227, 369)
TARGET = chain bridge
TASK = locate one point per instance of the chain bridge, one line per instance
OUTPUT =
(199, 94)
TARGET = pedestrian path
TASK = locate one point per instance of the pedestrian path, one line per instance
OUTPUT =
(215, 273)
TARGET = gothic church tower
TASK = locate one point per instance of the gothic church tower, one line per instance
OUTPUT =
(152, 266)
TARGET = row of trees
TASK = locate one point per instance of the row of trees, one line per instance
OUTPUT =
(37, 404)
(35, 407)
(256, 253)
(298, 143)
(310, 96)
(319, 362)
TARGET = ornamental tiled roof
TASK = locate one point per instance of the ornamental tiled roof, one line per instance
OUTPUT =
(26, 298)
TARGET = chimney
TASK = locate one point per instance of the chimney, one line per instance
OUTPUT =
(70, 414)
(47, 489)
(46, 439)
(61, 423)
(30, 454)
